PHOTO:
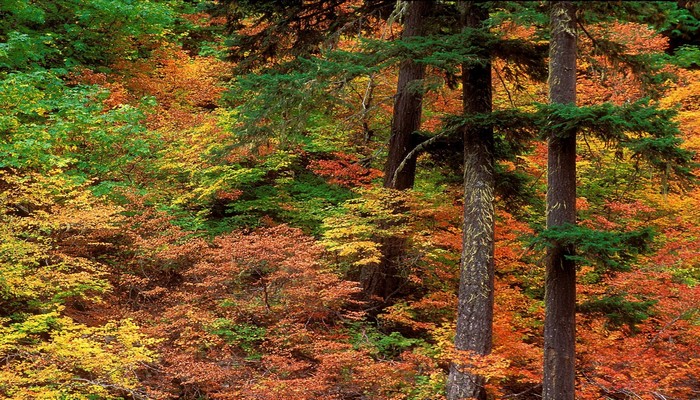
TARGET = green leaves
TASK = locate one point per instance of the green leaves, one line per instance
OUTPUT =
(687, 56)
(247, 337)
(609, 122)
(649, 132)
(619, 310)
(379, 344)
(64, 33)
(33, 275)
(46, 124)
(605, 250)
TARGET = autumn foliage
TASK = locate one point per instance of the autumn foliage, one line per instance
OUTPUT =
(155, 245)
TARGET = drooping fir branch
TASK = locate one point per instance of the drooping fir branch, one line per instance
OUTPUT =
(649, 132)
(516, 128)
(292, 28)
(278, 101)
(678, 21)
(663, 15)
(449, 51)
(604, 250)
(648, 67)
(619, 309)
(275, 99)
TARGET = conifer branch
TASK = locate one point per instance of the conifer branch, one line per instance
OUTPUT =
(505, 87)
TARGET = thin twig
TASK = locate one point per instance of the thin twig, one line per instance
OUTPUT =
(136, 394)
(510, 396)
(668, 325)
(503, 82)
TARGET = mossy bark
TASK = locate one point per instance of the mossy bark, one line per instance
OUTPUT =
(475, 306)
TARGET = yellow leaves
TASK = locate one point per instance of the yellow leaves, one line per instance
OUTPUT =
(46, 222)
(179, 82)
(367, 251)
(685, 93)
(33, 271)
(356, 236)
(76, 361)
(112, 350)
(350, 240)
(15, 92)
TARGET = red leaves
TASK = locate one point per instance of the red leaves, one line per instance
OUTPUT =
(280, 267)
(344, 170)
(606, 79)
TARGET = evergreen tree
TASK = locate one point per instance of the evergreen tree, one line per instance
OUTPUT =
(293, 27)
(639, 128)
(475, 307)
(385, 280)
(560, 286)
(459, 48)
(407, 105)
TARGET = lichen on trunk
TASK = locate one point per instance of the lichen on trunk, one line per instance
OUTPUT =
(475, 306)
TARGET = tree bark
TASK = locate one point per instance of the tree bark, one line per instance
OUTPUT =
(408, 105)
(475, 306)
(560, 281)
(384, 280)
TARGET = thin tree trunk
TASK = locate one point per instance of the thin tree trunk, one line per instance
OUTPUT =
(407, 105)
(475, 306)
(560, 281)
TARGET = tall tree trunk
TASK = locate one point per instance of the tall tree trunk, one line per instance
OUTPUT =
(475, 306)
(408, 105)
(560, 281)
(385, 280)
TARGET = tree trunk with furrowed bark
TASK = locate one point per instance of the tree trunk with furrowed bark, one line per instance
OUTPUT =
(560, 281)
(475, 306)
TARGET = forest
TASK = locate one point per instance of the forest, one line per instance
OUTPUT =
(349, 199)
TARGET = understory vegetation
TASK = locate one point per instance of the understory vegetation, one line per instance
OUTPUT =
(194, 203)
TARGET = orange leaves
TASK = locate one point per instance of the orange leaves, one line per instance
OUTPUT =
(438, 104)
(604, 79)
(118, 94)
(637, 38)
(656, 359)
(280, 266)
(184, 86)
(204, 20)
(173, 77)
(265, 314)
(261, 316)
